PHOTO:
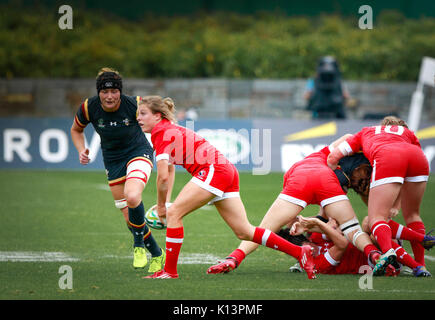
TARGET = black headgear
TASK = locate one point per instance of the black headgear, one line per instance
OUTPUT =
(346, 167)
(109, 80)
(350, 163)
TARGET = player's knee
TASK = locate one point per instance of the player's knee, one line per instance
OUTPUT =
(133, 198)
(174, 215)
(243, 233)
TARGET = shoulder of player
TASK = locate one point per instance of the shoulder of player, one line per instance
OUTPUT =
(161, 130)
(89, 106)
(130, 100)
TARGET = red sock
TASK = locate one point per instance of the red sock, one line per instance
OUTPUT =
(239, 255)
(382, 233)
(272, 240)
(417, 247)
(403, 257)
(399, 231)
(174, 240)
(369, 248)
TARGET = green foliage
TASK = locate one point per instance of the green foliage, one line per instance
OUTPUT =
(226, 45)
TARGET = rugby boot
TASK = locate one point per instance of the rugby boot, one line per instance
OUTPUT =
(139, 258)
(306, 261)
(162, 274)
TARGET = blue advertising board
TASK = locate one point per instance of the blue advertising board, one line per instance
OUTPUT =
(259, 146)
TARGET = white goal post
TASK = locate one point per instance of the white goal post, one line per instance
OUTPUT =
(426, 77)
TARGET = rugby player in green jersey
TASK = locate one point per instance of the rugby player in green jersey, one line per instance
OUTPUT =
(127, 156)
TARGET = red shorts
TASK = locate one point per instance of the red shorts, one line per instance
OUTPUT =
(399, 163)
(305, 185)
(220, 179)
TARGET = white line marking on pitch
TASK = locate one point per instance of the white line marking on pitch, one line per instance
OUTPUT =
(32, 256)
(185, 258)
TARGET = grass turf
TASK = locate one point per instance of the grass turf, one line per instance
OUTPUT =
(72, 213)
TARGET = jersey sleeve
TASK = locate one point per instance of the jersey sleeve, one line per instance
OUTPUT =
(160, 145)
(352, 144)
(82, 115)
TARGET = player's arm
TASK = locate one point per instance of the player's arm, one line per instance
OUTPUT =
(171, 172)
(343, 148)
(337, 142)
(163, 186)
(78, 139)
(334, 235)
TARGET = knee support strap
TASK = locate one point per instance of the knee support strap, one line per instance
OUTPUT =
(350, 226)
(139, 169)
(121, 204)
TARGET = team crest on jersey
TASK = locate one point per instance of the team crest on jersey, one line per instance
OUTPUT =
(202, 173)
(101, 123)
(126, 121)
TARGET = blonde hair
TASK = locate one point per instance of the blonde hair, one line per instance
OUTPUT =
(107, 69)
(157, 104)
(393, 121)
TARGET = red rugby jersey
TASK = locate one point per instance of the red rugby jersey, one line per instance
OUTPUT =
(182, 146)
(371, 139)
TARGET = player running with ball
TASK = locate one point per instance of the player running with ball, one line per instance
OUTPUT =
(214, 179)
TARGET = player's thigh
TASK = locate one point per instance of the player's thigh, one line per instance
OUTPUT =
(381, 199)
(412, 196)
(190, 198)
(234, 214)
(117, 191)
(341, 211)
(280, 213)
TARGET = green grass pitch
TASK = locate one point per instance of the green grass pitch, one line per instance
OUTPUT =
(54, 218)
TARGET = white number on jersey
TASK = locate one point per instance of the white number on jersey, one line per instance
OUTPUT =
(387, 129)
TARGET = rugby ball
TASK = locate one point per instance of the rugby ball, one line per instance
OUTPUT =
(152, 219)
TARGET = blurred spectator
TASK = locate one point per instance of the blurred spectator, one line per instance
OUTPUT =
(326, 94)
(189, 114)
(192, 114)
(181, 115)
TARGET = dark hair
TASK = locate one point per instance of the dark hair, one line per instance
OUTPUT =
(296, 240)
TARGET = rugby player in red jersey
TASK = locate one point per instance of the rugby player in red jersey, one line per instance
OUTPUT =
(335, 255)
(214, 179)
(400, 173)
(127, 157)
(311, 181)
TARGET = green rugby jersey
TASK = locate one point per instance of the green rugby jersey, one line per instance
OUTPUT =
(119, 131)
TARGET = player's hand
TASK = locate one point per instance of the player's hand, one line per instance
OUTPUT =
(308, 223)
(297, 229)
(161, 212)
(394, 212)
(84, 157)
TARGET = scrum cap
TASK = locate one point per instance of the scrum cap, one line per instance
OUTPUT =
(109, 80)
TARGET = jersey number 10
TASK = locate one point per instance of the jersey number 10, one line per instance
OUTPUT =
(387, 129)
